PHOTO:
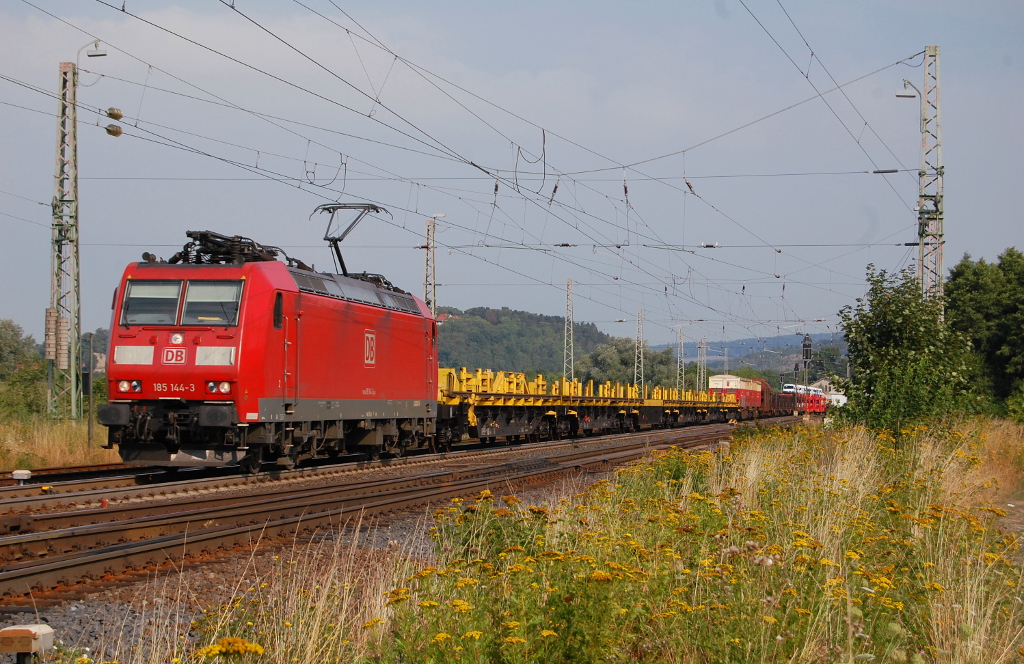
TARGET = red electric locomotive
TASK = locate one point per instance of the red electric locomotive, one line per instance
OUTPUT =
(225, 354)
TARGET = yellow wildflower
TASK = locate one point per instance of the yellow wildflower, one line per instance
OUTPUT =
(230, 645)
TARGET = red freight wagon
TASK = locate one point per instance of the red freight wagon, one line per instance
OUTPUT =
(746, 390)
(227, 355)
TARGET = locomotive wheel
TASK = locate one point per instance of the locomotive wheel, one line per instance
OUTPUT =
(251, 462)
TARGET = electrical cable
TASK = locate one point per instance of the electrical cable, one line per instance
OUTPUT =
(201, 152)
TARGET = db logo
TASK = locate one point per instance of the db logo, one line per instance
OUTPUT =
(174, 355)
(370, 348)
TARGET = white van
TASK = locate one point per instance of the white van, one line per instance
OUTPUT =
(789, 388)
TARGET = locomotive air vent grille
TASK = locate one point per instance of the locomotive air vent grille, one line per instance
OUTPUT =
(404, 302)
(363, 295)
(353, 291)
(310, 284)
(318, 285)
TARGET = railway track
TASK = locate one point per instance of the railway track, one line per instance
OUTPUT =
(90, 492)
(51, 546)
(66, 474)
(48, 481)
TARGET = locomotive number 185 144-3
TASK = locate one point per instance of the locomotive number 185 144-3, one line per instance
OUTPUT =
(174, 387)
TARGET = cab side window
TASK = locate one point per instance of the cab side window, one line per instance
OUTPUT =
(278, 311)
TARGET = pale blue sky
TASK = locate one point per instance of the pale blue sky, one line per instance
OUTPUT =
(593, 86)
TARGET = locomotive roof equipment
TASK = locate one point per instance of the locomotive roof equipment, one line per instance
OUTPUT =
(335, 240)
(207, 247)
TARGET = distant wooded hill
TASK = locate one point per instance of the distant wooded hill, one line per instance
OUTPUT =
(508, 340)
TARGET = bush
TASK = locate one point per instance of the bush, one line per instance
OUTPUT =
(1015, 405)
(907, 364)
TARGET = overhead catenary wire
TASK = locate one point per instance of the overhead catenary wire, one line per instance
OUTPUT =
(625, 188)
(545, 196)
(200, 152)
(821, 95)
(740, 225)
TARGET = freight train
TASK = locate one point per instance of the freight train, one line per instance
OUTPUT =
(233, 353)
(756, 394)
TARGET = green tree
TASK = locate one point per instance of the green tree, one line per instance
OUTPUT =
(17, 349)
(508, 340)
(827, 361)
(766, 374)
(985, 302)
(22, 376)
(615, 361)
(907, 364)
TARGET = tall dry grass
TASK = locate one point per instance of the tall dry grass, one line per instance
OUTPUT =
(41, 443)
(823, 546)
(813, 546)
(315, 601)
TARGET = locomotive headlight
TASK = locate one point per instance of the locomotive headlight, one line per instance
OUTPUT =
(214, 387)
(136, 386)
(177, 338)
(124, 386)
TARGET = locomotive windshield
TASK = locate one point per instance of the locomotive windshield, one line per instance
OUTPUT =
(211, 303)
(151, 302)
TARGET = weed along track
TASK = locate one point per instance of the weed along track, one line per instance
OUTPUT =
(48, 546)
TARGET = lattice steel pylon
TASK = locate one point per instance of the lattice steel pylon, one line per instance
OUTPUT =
(568, 356)
(430, 273)
(62, 341)
(638, 362)
(680, 364)
(929, 199)
(702, 364)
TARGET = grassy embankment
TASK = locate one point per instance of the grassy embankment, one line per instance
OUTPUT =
(810, 547)
(42, 443)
